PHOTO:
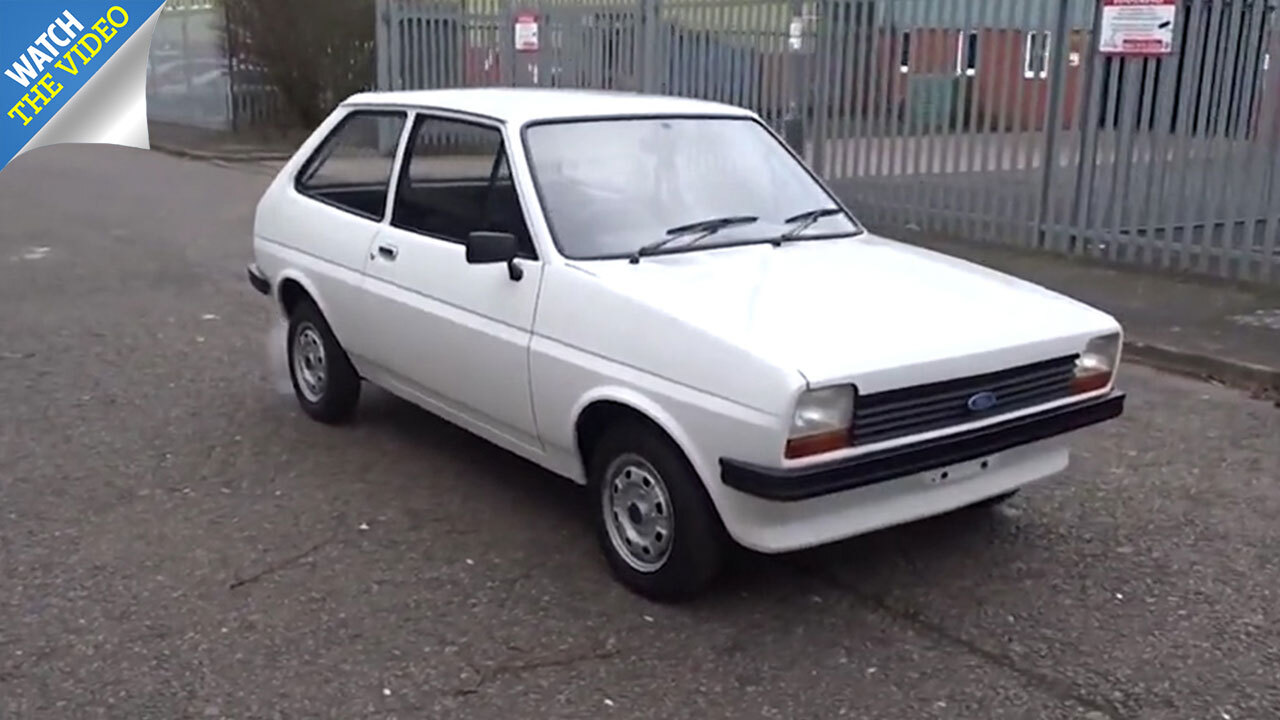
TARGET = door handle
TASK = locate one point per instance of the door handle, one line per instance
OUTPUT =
(388, 252)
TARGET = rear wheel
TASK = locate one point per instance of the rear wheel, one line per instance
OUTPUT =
(324, 381)
(655, 522)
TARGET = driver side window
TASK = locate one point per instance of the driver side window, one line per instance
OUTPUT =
(455, 180)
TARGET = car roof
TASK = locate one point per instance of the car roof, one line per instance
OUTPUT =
(519, 106)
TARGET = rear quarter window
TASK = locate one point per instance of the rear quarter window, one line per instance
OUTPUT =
(351, 170)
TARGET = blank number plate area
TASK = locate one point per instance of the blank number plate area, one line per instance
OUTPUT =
(960, 472)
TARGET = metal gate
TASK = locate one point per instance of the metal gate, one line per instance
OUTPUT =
(1001, 121)
(992, 120)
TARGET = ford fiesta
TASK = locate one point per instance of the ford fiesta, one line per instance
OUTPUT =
(654, 297)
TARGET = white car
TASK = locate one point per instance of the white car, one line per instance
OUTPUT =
(654, 297)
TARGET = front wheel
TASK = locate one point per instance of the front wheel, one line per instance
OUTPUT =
(655, 522)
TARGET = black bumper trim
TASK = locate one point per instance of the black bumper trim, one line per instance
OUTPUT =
(790, 485)
(258, 280)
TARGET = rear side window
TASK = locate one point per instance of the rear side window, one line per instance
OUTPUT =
(351, 170)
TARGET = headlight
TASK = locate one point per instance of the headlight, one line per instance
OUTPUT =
(821, 421)
(1097, 364)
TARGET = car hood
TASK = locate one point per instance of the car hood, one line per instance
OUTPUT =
(864, 309)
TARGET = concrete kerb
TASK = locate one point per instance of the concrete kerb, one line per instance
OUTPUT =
(1261, 381)
(231, 156)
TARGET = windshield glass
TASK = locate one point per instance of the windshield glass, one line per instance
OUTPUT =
(609, 187)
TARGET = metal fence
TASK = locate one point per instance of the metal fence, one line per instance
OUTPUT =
(187, 78)
(193, 80)
(992, 120)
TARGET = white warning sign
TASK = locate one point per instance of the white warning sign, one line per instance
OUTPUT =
(526, 32)
(1137, 27)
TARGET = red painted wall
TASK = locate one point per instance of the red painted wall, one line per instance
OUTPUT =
(1006, 99)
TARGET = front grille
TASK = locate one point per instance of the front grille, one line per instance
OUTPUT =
(907, 411)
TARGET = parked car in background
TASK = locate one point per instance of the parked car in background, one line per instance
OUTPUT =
(656, 298)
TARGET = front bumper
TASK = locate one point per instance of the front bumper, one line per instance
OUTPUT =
(791, 485)
(258, 279)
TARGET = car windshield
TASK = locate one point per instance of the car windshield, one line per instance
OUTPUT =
(610, 187)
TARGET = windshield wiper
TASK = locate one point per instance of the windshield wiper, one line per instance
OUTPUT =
(807, 219)
(703, 229)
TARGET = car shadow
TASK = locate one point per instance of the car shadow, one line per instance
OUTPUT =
(924, 551)
(517, 479)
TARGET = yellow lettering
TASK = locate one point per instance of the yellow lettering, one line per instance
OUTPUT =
(124, 16)
(47, 83)
(73, 69)
(106, 32)
(85, 42)
(38, 92)
(36, 99)
(76, 49)
(18, 109)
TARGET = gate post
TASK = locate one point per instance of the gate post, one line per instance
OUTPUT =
(231, 50)
(506, 15)
(1057, 91)
(793, 120)
(819, 81)
(384, 51)
(381, 42)
(650, 17)
(1082, 192)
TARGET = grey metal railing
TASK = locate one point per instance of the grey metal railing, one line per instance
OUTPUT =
(992, 120)
(193, 80)
(187, 77)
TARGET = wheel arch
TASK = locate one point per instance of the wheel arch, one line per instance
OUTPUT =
(601, 409)
(291, 288)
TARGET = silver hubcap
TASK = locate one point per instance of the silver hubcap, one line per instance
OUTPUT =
(309, 362)
(638, 513)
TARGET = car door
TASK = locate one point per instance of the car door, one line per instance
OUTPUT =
(454, 334)
(339, 199)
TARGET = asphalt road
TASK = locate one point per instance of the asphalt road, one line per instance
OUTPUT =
(177, 541)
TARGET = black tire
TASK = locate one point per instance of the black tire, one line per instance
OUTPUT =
(697, 542)
(336, 399)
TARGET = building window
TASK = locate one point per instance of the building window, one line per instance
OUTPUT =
(1035, 60)
(967, 54)
(904, 53)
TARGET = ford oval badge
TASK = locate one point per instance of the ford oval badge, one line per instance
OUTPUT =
(982, 401)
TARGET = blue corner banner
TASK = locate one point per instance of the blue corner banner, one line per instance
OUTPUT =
(50, 51)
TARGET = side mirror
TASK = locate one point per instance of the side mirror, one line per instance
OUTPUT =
(485, 248)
